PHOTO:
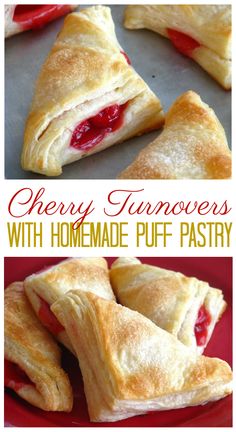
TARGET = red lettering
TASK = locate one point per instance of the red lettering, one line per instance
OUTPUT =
(25, 202)
(20, 203)
(25, 196)
(124, 200)
(223, 210)
(115, 203)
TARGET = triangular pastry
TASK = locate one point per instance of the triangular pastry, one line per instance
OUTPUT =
(32, 357)
(186, 307)
(193, 145)
(46, 286)
(19, 18)
(130, 366)
(201, 32)
(87, 97)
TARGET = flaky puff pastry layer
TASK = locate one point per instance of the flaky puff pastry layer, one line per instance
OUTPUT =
(31, 347)
(193, 145)
(170, 299)
(209, 25)
(84, 73)
(130, 366)
(87, 274)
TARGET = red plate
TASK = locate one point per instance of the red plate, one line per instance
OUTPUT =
(216, 271)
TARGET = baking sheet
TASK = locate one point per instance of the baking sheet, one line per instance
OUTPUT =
(166, 71)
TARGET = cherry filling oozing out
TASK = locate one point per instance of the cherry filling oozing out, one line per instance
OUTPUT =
(14, 377)
(126, 57)
(48, 318)
(36, 16)
(201, 326)
(92, 131)
(182, 42)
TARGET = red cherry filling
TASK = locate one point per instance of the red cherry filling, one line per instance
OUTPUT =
(91, 132)
(126, 57)
(201, 326)
(182, 42)
(14, 377)
(36, 16)
(48, 318)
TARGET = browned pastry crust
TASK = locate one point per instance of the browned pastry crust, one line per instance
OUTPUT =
(208, 25)
(31, 347)
(84, 73)
(170, 299)
(88, 274)
(130, 366)
(193, 145)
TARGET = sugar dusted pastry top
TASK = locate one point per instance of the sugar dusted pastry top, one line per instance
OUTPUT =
(192, 145)
(99, 60)
(133, 366)
(186, 307)
(85, 72)
(84, 273)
